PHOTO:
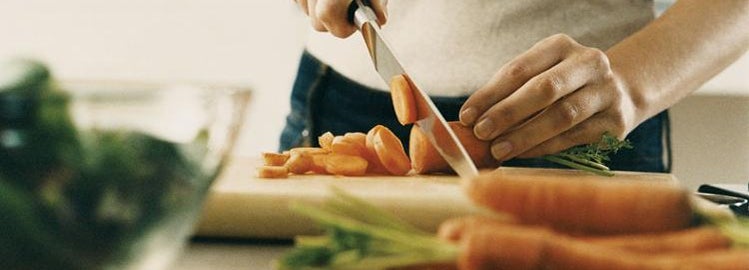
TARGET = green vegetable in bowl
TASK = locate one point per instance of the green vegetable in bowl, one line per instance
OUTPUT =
(83, 199)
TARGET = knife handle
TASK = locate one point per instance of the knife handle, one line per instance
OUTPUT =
(360, 12)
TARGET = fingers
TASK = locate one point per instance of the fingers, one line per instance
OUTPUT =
(558, 118)
(312, 13)
(542, 56)
(538, 93)
(453, 229)
(332, 15)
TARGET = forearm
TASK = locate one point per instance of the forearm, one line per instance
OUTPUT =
(679, 51)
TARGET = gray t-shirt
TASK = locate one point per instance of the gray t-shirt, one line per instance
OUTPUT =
(452, 47)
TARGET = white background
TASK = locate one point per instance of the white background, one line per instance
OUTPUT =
(256, 44)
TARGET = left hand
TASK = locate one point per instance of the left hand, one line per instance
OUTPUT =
(556, 95)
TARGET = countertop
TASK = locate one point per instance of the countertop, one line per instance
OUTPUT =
(230, 254)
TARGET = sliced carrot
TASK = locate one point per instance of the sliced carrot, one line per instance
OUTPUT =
(274, 159)
(345, 165)
(403, 99)
(585, 206)
(272, 172)
(325, 140)
(375, 165)
(318, 164)
(309, 150)
(341, 145)
(389, 150)
(299, 162)
(425, 158)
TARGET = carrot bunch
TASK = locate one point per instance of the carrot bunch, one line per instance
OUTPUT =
(546, 224)
(593, 224)
(379, 151)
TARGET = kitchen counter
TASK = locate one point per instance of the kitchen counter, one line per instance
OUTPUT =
(230, 254)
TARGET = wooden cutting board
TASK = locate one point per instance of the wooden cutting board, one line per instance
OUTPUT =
(241, 205)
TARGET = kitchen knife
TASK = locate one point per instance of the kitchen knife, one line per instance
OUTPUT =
(430, 120)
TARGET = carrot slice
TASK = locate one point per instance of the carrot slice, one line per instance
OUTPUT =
(299, 162)
(309, 150)
(274, 159)
(272, 172)
(346, 165)
(325, 140)
(403, 99)
(389, 150)
(318, 164)
(343, 146)
(375, 166)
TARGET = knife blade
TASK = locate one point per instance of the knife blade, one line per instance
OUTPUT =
(430, 120)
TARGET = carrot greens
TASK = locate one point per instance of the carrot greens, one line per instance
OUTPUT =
(591, 157)
(361, 236)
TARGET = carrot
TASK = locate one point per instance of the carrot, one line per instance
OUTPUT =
(345, 165)
(683, 241)
(274, 159)
(537, 248)
(325, 140)
(691, 240)
(318, 164)
(389, 150)
(309, 150)
(403, 99)
(299, 162)
(375, 166)
(592, 206)
(341, 145)
(272, 172)
(426, 159)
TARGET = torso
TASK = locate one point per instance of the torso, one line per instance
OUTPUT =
(453, 47)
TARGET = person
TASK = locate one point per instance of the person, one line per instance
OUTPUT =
(533, 77)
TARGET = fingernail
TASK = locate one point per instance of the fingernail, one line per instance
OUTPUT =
(484, 129)
(500, 150)
(468, 116)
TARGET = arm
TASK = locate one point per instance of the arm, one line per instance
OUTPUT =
(560, 94)
(673, 56)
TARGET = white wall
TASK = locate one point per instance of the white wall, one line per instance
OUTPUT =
(256, 44)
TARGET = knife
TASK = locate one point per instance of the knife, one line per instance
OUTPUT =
(430, 120)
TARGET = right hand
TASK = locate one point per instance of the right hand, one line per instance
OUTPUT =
(331, 15)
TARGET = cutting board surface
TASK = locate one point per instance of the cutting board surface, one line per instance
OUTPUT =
(242, 205)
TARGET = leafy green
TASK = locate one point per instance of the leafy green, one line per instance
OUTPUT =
(591, 157)
(361, 236)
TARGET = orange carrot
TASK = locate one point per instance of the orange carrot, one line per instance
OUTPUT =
(587, 206)
(341, 145)
(345, 165)
(299, 162)
(537, 248)
(325, 140)
(683, 241)
(272, 172)
(318, 164)
(389, 150)
(274, 159)
(692, 240)
(426, 159)
(403, 99)
(309, 150)
(375, 166)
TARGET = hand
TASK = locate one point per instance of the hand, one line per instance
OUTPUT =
(556, 95)
(332, 15)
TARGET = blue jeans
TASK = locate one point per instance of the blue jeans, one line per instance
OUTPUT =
(324, 100)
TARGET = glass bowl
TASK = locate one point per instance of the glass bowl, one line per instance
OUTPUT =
(131, 166)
